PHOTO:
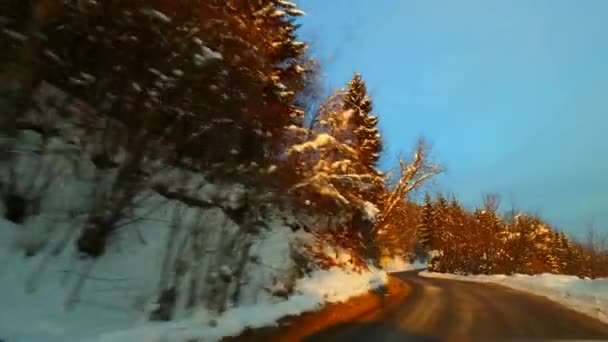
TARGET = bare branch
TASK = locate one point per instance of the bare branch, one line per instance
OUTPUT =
(413, 175)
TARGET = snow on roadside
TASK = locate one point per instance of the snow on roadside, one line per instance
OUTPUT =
(311, 293)
(584, 295)
(109, 312)
(398, 264)
(43, 301)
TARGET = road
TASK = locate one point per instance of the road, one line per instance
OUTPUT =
(449, 310)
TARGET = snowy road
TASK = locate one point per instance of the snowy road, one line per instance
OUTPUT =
(441, 310)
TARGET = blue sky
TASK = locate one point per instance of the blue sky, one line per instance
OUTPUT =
(512, 94)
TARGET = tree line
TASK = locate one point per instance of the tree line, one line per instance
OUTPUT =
(486, 242)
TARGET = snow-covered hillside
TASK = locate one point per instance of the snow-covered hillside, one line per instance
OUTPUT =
(61, 298)
(311, 293)
(218, 271)
(55, 295)
(584, 295)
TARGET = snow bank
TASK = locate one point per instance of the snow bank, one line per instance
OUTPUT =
(584, 295)
(42, 300)
(337, 285)
(55, 296)
(397, 264)
(311, 293)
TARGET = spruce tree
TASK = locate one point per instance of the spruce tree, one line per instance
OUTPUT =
(427, 227)
(347, 146)
(366, 137)
(441, 213)
(569, 256)
(428, 233)
(553, 254)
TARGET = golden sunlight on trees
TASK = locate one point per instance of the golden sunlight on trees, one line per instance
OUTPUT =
(222, 89)
(483, 242)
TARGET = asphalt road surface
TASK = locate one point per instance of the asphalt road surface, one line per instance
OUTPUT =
(449, 310)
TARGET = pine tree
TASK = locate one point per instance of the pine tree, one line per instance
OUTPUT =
(458, 215)
(556, 254)
(287, 55)
(428, 233)
(329, 165)
(571, 255)
(427, 228)
(347, 146)
(538, 244)
(457, 242)
(362, 134)
(564, 248)
(441, 214)
(365, 133)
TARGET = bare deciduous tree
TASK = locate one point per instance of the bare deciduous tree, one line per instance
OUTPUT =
(412, 176)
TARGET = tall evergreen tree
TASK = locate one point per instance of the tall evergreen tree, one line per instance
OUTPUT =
(428, 232)
(347, 146)
(366, 137)
(427, 228)
(556, 254)
(441, 213)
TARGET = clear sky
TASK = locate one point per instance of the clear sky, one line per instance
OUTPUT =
(512, 94)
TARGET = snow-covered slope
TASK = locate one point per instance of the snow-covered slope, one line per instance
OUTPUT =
(326, 286)
(397, 264)
(238, 275)
(62, 298)
(584, 295)
(226, 255)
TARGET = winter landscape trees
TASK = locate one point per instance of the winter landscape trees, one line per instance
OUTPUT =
(117, 112)
(485, 242)
(118, 116)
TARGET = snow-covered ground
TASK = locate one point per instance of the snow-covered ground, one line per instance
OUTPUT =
(41, 299)
(55, 295)
(311, 293)
(401, 265)
(584, 295)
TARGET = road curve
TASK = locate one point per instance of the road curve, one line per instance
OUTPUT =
(450, 310)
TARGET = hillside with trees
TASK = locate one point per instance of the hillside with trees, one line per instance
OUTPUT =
(193, 127)
(188, 130)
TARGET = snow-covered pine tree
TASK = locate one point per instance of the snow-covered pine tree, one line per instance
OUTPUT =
(347, 121)
(537, 243)
(287, 71)
(325, 161)
(556, 254)
(333, 162)
(522, 247)
(366, 138)
(329, 183)
(571, 256)
(366, 135)
(564, 249)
